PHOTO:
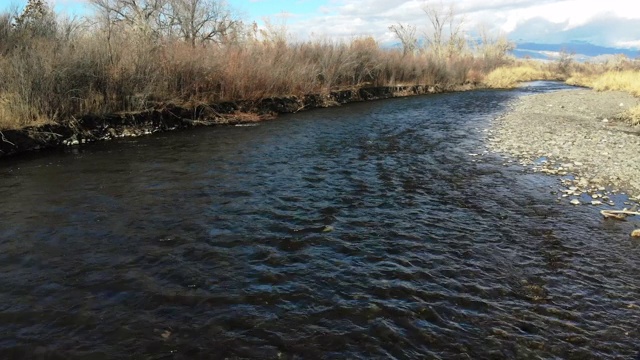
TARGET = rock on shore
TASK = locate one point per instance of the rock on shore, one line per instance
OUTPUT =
(166, 117)
(574, 132)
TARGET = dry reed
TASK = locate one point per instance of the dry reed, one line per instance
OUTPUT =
(55, 71)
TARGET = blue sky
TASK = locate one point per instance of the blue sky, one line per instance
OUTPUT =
(602, 22)
(257, 9)
(251, 9)
(72, 7)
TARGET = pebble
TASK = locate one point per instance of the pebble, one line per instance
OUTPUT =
(327, 228)
(581, 146)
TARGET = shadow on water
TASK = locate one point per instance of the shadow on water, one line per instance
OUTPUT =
(367, 231)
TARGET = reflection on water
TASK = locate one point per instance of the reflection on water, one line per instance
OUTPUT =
(367, 231)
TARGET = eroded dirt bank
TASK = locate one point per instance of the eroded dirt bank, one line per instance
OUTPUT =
(170, 117)
(576, 133)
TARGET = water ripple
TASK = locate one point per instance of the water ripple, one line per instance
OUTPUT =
(360, 232)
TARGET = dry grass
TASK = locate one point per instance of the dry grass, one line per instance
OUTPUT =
(580, 79)
(510, 76)
(15, 114)
(624, 76)
(52, 71)
(632, 115)
(62, 80)
(627, 81)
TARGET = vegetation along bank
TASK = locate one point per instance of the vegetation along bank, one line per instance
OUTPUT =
(134, 68)
(139, 67)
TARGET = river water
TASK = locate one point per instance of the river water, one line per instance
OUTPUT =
(367, 231)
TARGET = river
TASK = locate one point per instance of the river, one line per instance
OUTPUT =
(374, 230)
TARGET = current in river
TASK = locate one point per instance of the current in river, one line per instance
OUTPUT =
(378, 230)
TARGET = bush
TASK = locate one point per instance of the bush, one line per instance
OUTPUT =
(55, 70)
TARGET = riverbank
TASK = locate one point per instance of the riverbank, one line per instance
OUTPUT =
(167, 117)
(577, 134)
(211, 240)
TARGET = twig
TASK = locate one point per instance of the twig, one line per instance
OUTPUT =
(4, 139)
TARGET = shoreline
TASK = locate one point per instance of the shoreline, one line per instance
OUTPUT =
(576, 134)
(168, 117)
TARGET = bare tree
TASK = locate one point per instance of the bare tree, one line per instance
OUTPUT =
(194, 21)
(200, 20)
(143, 16)
(407, 35)
(564, 62)
(494, 50)
(446, 36)
(275, 31)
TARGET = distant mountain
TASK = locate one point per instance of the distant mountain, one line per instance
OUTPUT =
(582, 50)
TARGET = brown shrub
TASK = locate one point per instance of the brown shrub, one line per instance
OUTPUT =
(54, 71)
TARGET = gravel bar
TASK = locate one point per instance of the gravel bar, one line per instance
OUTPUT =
(577, 134)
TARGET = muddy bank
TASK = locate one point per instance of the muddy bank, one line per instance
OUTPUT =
(578, 135)
(92, 128)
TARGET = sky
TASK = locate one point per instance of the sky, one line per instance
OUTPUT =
(613, 23)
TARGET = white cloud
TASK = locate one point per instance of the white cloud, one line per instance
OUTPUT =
(628, 44)
(601, 22)
(545, 20)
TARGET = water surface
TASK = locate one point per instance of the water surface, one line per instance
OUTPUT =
(371, 230)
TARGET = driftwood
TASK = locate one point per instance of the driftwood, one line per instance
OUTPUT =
(618, 214)
(622, 215)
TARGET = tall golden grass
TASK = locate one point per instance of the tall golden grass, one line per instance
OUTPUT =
(610, 80)
(617, 74)
(510, 76)
(633, 115)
